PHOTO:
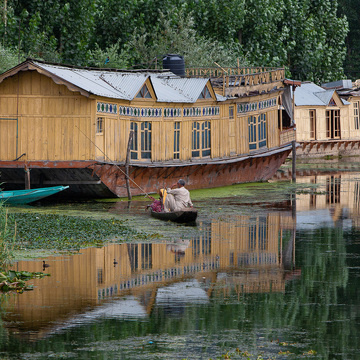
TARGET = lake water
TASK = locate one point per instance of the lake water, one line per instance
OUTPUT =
(263, 275)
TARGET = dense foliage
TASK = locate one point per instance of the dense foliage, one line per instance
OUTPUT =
(352, 60)
(306, 36)
(7, 238)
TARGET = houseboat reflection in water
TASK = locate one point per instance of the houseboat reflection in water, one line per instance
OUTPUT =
(126, 281)
(333, 202)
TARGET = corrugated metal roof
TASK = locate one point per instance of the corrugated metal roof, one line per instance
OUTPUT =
(87, 80)
(169, 89)
(125, 85)
(340, 84)
(304, 95)
(325, 96)
(309, 94)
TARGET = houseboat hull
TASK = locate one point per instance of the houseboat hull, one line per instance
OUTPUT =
(322, 148)
(102, 180)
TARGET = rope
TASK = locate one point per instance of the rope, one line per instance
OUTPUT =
(112, 162)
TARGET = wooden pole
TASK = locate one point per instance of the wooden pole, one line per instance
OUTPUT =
(294, 141)
(146, 194)
(27, 177)
(293, 160)
(127, 161)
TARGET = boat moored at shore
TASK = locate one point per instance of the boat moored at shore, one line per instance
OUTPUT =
(117, 132)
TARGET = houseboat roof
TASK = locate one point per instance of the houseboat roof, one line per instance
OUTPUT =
(310, 94)
(119, 84)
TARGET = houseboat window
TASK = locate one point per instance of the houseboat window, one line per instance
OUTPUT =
(333, 190)
(257, 131)
(205, 138)
(196, 247)
(201, 139)
(332, 102)
(312, 114)
(356, 115)
(205, 94)
(146, 256)
(99, 125)
(142, 138)
(146, 140)
(206, 242)
(257, 235)
(100, 276)
(262, 130)
(134, 142)
(195, 141)
(144, 93)
(231, 112)
(177, 140)
(133, 250)
(252, 132)
(252, 237)
(263, 245)
(357, 195)
(333, 124)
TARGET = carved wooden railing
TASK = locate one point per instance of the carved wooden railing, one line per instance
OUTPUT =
(235, 81)
(254, 75)
(287, 136)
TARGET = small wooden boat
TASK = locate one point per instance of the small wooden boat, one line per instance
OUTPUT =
(182, 216)
(21, 197)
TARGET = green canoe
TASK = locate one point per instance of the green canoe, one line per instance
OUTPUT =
(21, 197)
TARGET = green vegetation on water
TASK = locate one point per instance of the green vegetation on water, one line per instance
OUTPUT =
(30, 234)
(11, 280)
(7, 238)
(16, 280)
(63, 232)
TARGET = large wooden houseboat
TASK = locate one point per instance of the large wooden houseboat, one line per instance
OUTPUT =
(327, 119)
(88, 128)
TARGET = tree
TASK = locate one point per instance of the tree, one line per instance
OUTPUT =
(318, 40)
(352, 60)
(45, 28)
(179, 37)
(222, 20)
(9, 58)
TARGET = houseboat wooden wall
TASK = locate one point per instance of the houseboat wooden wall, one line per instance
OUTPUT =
(56, 124)
(302, 118)
(314, 137)
(340, 191)
(49, 117)
(68, 135)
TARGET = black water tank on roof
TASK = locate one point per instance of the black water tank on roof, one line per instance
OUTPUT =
(174, 63)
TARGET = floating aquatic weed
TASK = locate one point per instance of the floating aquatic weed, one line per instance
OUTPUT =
(62, 232)
(16, 280)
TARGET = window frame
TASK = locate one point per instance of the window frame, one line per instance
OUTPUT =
(257, 131)
(333, 126)
(141, 144)
(201, 139)
(356, 115)
(100, 125)
(205, 93)
(177, 128)
(144, 93)
(312, 124)
(231, 112)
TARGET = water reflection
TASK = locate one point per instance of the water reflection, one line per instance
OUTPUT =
(246, 254)
(238, 279)
(333, 202)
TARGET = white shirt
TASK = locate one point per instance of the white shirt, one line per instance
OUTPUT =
(181, 197)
